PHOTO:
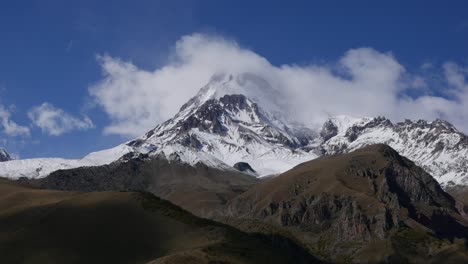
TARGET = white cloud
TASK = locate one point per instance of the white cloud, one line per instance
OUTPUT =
(9, 127)
(364, 82)
(54, 121)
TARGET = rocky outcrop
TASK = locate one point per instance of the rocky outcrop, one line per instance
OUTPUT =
(4, 156)
(244, 166)
(329, 130)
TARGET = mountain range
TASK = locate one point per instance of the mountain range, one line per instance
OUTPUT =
(235, 122)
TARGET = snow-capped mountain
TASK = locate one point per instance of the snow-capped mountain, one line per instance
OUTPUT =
(229, 125)
(221, 128)
(4, 156)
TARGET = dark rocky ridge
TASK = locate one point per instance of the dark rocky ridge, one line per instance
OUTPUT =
(199, 189)
(243, 166)
(329, 130)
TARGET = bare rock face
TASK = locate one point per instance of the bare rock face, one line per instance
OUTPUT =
(329, 130)
(244, 166)
(352, 198)
(316, 213)
(4, 156)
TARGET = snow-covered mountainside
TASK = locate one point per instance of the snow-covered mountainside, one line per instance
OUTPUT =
(4, 156)
(436, 146)
(41, 167)
(230, 125)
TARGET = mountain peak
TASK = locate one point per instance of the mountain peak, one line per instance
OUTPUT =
(227, 123)
(251, 85)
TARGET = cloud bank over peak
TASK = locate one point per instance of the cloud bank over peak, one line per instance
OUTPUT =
(363, 82)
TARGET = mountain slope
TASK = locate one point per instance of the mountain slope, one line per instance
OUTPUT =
(357, 205)
(41, 167)
(43, 226)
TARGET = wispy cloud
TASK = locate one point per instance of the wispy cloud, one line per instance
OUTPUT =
(55, 121)
(9, 127)
(363, 82)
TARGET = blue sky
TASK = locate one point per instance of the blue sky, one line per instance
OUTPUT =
(49, 50)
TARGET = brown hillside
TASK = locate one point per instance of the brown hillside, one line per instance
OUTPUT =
(42, 226)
